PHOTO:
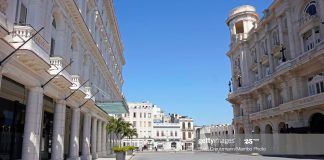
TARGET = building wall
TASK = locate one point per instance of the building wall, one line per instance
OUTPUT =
(81, 31)
(276, 66)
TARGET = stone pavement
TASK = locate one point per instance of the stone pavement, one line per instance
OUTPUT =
(127, 158)
(200, 156)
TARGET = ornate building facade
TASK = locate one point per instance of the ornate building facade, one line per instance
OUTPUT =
(61, 65)
(277, 68)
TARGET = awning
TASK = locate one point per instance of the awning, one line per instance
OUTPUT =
(114, 107)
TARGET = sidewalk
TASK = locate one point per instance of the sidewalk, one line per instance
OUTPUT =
(127, 158)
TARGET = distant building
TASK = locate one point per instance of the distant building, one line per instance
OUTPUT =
(167, 136)
(215, 132)
(157, 129)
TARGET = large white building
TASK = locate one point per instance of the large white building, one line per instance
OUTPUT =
(141, 116)
(52, 108)
(158, 130)
(277, 68)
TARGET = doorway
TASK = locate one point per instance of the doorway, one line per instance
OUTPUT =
(12, 121)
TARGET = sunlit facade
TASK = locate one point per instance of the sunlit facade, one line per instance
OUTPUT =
(51, 85)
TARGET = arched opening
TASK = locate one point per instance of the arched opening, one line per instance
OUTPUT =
(316, 123)
(57, 32)
(268, 129)
(173, 145)
(269, 137)
(310, 8)
(241, 131)
(282, 140)
(257, 130)
(239, 27)
(281, 127)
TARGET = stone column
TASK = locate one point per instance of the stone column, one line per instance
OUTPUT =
(86, 137)
(296, 89)
(104, 139)
(94, 138)
(258, 53)
(291, 36)
(281, 38)
(33, 119)
(270, 56)
(74, 138)
(59, 129)
(99, 140)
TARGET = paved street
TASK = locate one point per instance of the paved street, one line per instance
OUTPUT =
(199, 156)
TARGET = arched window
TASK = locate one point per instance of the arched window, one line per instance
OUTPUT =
(310, 8)
(275, 38)
(183, 125)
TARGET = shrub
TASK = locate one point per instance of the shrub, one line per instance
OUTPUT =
(123, 149)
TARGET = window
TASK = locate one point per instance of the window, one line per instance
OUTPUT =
(23, 14)
(134, 114)
(140, 114)
(134, 123)
(144, 115)
(258, 106)
(171, 134)
(183, 125)
(149, 115)
(141, 124)
(52, 47)
(144, 123)
(149, 124)
(239, 27)
(308, 40)
(310, 9)
(175, 133)
(316, 85)
(269, 101)
(189, 134)
(157, 133)
(189, 125)
(162, 133)
(275, 38)
(317, 35)
(184, 135)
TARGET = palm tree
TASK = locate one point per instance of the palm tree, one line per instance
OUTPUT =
(120, 128)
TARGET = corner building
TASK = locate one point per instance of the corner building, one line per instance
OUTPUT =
(277, 68)
(52, 108)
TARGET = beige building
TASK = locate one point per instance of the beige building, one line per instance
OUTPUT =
(277, 68)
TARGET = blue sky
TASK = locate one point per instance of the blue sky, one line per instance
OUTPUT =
(175, 53)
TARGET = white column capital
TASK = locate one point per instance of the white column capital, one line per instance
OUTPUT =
(61, 101)
(36, 89)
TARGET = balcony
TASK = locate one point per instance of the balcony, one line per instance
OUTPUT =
(308, 20)
(276, 51)
(23, 32)
(33, 54)
(238, 38)
(298, 104)
(64, 79)
(89, 94)
(264, 59)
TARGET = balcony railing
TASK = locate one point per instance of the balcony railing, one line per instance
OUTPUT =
(290, 106)
(306, 19)
(23, 32)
